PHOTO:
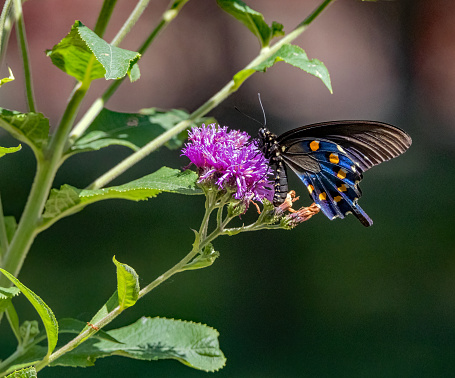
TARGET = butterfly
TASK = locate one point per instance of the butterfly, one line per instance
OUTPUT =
(330, 159)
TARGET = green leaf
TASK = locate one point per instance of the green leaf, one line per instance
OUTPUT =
(297, 57)
(68, 200)
(30, 128)
(7, 79)
(65, 199)
(9, 150)
(69, 325)
(127, 285)
(133, 130)
(195, 345)
(45, 313)
(252, 19)
(206, 258)
(134, 73)
(6, 293)
(85, 56)
(29, 372)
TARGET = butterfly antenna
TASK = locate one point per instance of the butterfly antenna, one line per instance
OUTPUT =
(263, 111)
(248, 116)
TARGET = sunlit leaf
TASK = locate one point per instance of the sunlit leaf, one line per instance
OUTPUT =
(85, 56)
(195, 345)
(9, 150)
(45, 313)
(293, 55)
(127, 285)
(28, 372)
(30, 128)
(7, 79)
(252, 19)
(6, 293)
(297, 57)
(68, 199)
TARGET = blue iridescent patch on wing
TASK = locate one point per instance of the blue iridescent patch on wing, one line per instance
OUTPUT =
(334, 186)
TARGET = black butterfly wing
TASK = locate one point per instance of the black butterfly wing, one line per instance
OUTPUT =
(330, 158)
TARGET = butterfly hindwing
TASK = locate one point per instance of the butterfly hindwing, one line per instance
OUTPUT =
(331, 178)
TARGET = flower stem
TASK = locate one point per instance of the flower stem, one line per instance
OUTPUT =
(214, 101)
(198, 245)
(20, 29)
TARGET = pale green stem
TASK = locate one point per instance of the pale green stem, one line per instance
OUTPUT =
(98, 104)
(130, 22)
(3, 236)
(214, 101)
(197, 247)
(79, 339)
(17, 353)
(20, 29)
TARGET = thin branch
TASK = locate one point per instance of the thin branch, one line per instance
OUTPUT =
(21, 36)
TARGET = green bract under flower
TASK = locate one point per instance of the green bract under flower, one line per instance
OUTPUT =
(230, 161)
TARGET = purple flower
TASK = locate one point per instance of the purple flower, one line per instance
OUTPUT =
(230, 161)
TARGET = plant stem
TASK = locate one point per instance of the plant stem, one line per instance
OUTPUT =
(130, 22)
(46, 169)
(98, 104)
(197, 247)
(214, 101)
(78, 339)
(104, 17)
(20, 29)
(3, 235)
(25, 233)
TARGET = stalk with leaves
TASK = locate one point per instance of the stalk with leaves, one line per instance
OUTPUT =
(231, 173)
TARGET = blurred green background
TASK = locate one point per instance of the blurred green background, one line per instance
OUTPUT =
(328, 299)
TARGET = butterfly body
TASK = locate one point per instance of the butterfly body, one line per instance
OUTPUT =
(330, 159)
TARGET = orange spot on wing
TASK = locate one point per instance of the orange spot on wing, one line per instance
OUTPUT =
(322, 196)
(337, 198)
(314, 145)
(310, 188)
(341, 174)
(334, 158)
(342, 188)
